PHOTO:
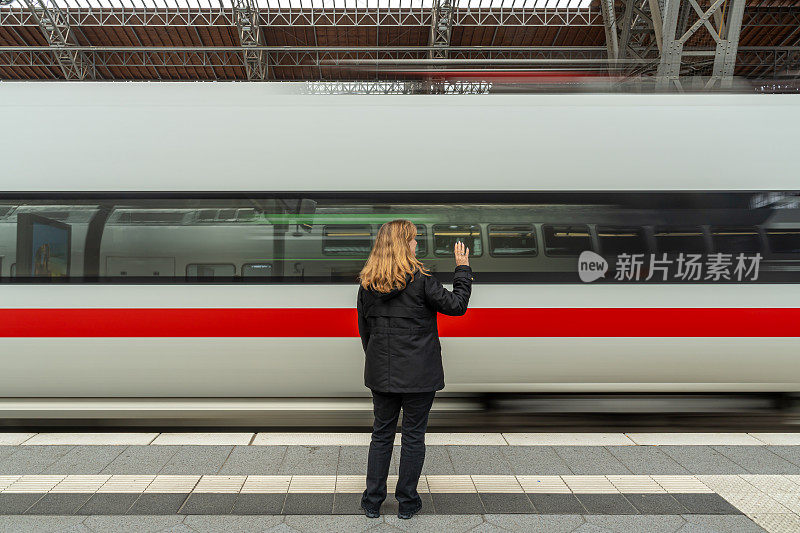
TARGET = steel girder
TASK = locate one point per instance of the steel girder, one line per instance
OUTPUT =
(770, 63)
(54, 23)
(725, 14)
(633, 32)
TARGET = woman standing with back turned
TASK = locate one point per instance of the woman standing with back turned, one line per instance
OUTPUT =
(397, 305)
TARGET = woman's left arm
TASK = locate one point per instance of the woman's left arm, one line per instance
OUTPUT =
(363, 325)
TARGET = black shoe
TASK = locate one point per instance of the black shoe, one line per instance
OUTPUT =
(370, 513)
(405, 515)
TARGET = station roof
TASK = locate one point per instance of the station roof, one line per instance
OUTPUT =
(199, 39)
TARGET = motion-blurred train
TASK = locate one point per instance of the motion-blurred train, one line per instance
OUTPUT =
(191, 251)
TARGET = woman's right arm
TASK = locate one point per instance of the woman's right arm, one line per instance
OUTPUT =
(452, 303)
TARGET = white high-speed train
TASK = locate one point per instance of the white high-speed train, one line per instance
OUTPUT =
(190, 250)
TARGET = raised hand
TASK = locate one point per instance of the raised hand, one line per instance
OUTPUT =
(462, 253)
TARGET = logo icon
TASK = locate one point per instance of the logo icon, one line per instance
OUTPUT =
(591, 266)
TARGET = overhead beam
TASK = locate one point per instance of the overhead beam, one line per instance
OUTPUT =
(163, 60)
(754, 17)
(319, 17)
(54, 24)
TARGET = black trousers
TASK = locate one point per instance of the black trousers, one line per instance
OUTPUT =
(416, 407)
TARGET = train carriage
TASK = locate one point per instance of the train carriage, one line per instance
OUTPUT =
(184, 278)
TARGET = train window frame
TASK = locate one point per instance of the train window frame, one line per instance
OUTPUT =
(701, 230)
(606, 227)
(186, 270)
(769, 240)
(325, 236)
(755, 230)
(451, 254)
(535, 238)
(545, 247)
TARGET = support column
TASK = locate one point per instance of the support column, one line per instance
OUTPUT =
(657, 22)
(726, 14)
(441, 30)
(610, 26)
(256, 61)
(671, 48)
(725, 56)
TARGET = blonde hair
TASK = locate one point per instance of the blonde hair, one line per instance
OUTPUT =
(391, 258)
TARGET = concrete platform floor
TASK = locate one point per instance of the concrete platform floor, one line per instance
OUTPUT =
(585, 482)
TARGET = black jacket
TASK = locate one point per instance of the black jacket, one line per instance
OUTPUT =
(399, 332)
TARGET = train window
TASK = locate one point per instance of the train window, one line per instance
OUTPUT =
(251, 270)
(151, 217)
(615, 240)
(732, 239)
(422, 240)
(784, 240)
(210, 270)
(227, 214)
(325, 238)
(246, 214)
(688, 239)
(507, 240)
(445, 237)
(207, 215)
(347, 240)
(566, 240)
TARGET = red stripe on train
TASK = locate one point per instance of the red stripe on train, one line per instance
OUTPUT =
(478, 322)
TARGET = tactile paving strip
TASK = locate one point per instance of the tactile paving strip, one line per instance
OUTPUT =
(768, 499)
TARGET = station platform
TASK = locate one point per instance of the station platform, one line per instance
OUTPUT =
(481, 482)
